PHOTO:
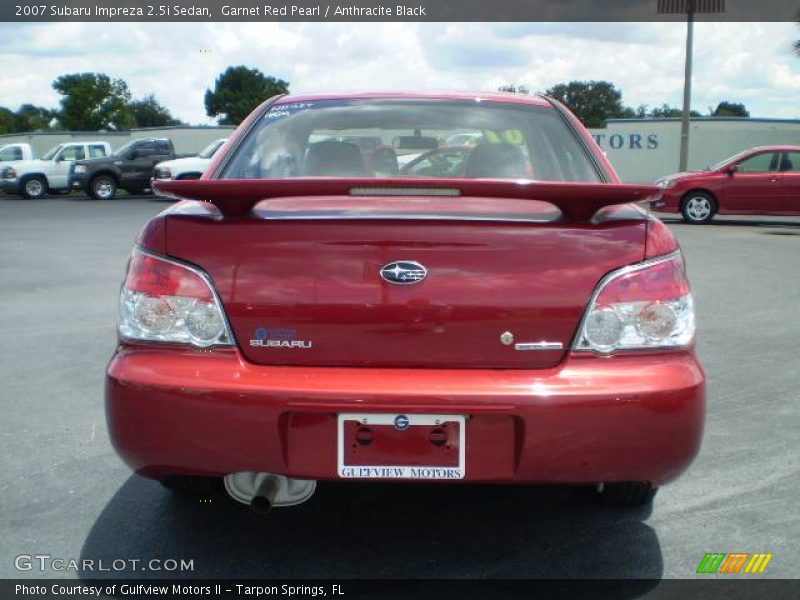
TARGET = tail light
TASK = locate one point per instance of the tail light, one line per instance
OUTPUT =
(640, 307)
(167, 301)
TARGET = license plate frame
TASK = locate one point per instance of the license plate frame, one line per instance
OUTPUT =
(408, 472)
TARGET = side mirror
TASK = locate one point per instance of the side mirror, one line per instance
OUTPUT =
(732, 169)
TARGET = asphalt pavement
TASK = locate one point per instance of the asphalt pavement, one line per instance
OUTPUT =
(66, 494)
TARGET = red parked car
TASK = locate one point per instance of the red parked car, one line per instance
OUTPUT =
(759, 181)
(297, 317)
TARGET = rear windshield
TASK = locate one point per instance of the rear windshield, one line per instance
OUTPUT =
(413, 139)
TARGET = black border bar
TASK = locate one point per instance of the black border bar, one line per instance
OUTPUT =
(396, 10)
(731, 588)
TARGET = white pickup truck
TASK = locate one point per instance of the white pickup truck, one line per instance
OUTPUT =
(191, 167)
(15, 152)
(36, 177)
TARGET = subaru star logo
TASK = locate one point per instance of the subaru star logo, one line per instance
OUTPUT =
(401, 422)
(403, 271)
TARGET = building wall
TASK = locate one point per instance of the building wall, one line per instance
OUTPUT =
(187, 140)
(642, 150)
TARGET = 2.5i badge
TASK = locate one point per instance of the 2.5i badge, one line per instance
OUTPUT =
(278, 338)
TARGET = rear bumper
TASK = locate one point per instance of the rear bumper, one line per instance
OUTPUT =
(627, 418)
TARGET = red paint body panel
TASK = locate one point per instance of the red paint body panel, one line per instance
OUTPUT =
(627, 418)
(153, 235)
(578, 201)
(660, 240)
(551, 416)
(319, 278)
(774, 193)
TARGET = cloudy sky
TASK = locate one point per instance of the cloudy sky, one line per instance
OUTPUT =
(745, 62)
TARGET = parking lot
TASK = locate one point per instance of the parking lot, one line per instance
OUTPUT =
(65, 493)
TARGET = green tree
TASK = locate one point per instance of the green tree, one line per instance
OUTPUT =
(8, 120)
(148, 112)
(640, 112)
(797, 43)
(93, 101)
(592, 101)
(665, 111)
(34, 118)
(238, 90)
(730, 109)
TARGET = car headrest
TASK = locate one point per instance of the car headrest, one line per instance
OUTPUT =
(383, 161)
(334, 158)
(504, 161)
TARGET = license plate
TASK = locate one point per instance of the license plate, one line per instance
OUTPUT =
(400, 446)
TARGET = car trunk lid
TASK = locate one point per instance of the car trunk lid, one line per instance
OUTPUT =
(507, 279)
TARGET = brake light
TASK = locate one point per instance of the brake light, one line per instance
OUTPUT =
(166, 301)
(640, 307)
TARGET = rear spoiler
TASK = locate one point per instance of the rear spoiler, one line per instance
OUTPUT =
(236, 197)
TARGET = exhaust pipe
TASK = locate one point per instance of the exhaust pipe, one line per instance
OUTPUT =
(263, 491)
(264, 498)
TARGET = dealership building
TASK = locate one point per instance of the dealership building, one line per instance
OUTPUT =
(642, 150)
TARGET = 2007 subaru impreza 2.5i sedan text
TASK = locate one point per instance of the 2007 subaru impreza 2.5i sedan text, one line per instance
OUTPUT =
(309, 311)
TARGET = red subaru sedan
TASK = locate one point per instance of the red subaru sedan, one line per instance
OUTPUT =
(759, 181)
(299, 316)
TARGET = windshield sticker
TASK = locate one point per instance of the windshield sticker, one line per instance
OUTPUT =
(284, 110)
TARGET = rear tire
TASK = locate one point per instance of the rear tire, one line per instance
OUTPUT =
(698, 207)
(186, 484)
(628, 493)
(103, 187)
(34, 187)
